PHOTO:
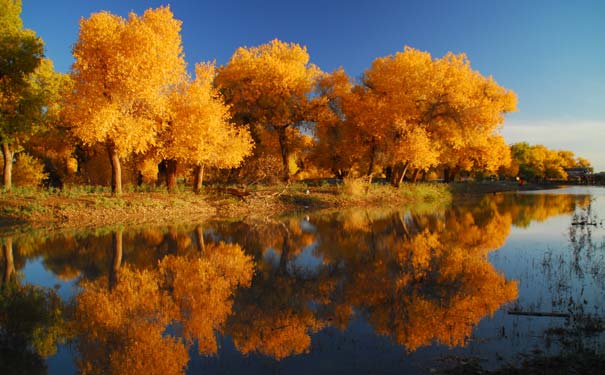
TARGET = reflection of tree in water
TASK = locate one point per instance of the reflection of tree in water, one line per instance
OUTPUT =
(122, 328)
(416, 278)
(31, 321)
(525, 208)
(275, 317)
(419, 278)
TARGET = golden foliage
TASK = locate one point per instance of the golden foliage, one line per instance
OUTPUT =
(122, 73)
(415, 111)
(268, 88)
(28, 171)
(199, 130)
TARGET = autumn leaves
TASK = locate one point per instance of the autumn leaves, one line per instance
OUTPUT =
(413, 112)
(129, 93)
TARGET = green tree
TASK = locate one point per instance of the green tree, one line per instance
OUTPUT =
(21, 53)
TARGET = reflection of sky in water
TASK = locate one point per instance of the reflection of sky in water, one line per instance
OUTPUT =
(551, 275)
(34, 272)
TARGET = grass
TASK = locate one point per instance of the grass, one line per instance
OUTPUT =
(91, 205)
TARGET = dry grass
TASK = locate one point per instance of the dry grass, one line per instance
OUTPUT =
(83, 206)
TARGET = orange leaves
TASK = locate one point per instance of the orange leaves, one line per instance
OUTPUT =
(122, 72)
(417, 111)
(199, 130)
(269, 86)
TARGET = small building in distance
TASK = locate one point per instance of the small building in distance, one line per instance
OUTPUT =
(578, 173)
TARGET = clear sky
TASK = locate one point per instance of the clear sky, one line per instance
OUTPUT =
(551, 53)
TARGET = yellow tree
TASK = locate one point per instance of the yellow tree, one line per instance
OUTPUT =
(268, 87)
(199, 131)
(123, 72)
(399, 82)
(433, 110)
(465, 109)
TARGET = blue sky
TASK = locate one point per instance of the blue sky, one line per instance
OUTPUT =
(551, 53)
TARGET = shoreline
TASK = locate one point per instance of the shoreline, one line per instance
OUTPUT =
(45, 210)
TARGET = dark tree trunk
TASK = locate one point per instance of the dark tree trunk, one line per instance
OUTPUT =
(389, 173)
(116, 260)
(285, 152)
(9, 264)
(7, 176)
(171, 174)
(116, 169)
(398, 174)
(446, 174)
(198, 178)
(372, 159)
(285, 251)
(415, 175)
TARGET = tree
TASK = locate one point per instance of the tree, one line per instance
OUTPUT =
(268, 87)
(123, 72)
(333, 150)
(199, 131)
(540, 162)
(442, 103)
(21, 53)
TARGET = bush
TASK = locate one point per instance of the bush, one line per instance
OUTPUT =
(355, 186)
(28, 171)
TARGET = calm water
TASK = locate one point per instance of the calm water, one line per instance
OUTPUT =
(361, 291)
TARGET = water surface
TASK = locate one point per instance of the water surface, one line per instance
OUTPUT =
(356, 291)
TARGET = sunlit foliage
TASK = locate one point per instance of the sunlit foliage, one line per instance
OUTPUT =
(199, 131)
(268, 87)
(414, 112)
(123, 72)
(540, 162)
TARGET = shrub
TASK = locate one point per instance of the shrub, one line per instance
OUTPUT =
(355, 186)
(28, 171)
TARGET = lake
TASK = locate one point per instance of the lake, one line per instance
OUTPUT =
(387, 291)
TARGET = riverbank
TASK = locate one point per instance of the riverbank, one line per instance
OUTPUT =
(93, 207)
(80, 207)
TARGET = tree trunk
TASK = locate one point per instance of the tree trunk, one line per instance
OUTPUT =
(198, 178)
(405, 169)
(7, 177)
(116, 261)
(389, 173)
(424, 173)
(285, 252)
(199, 234)
(171, 174)
(446, 174)
(372, 159)
(415, 175)
(116, 169)
(285, 152)
(453, 173)
(9, 264)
